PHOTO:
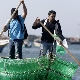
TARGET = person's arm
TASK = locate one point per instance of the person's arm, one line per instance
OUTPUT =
(24, 9)
(5, 28)
(60, 32)
(36, 24)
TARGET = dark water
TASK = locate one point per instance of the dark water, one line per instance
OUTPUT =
(34, 52)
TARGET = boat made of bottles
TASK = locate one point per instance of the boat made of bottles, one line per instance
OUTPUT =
(36, 69)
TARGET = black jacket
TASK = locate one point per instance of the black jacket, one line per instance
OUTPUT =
(46, 37)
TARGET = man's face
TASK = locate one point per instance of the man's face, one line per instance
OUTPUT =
(52, 17)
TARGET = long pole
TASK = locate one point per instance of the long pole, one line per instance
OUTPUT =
(61, 44)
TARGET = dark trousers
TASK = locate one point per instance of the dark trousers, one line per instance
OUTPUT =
(13, 43)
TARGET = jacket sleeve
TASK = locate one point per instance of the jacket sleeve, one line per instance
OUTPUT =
(60, 32)
(38, 25)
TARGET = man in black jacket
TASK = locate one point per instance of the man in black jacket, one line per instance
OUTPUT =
(51, 24)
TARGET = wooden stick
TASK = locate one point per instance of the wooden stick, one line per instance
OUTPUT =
(61, 44)
(11, 17)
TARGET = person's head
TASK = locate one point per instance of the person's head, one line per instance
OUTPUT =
(51, 15)
(16, 14)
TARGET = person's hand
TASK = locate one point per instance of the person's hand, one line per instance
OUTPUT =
(37, 20)
(60, 42)
(1, 33)
(22, 1)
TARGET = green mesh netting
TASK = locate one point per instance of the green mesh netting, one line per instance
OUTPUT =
(60, 50)
(36, 69)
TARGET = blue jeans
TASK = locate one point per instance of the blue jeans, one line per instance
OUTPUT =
(48, 46)
(13, 43)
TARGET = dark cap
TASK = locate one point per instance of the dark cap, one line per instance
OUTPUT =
(12, 10)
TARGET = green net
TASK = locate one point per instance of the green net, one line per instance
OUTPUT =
(60, 50)
(36, 69)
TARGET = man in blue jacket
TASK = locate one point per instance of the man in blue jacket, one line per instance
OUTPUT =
(16, 31)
